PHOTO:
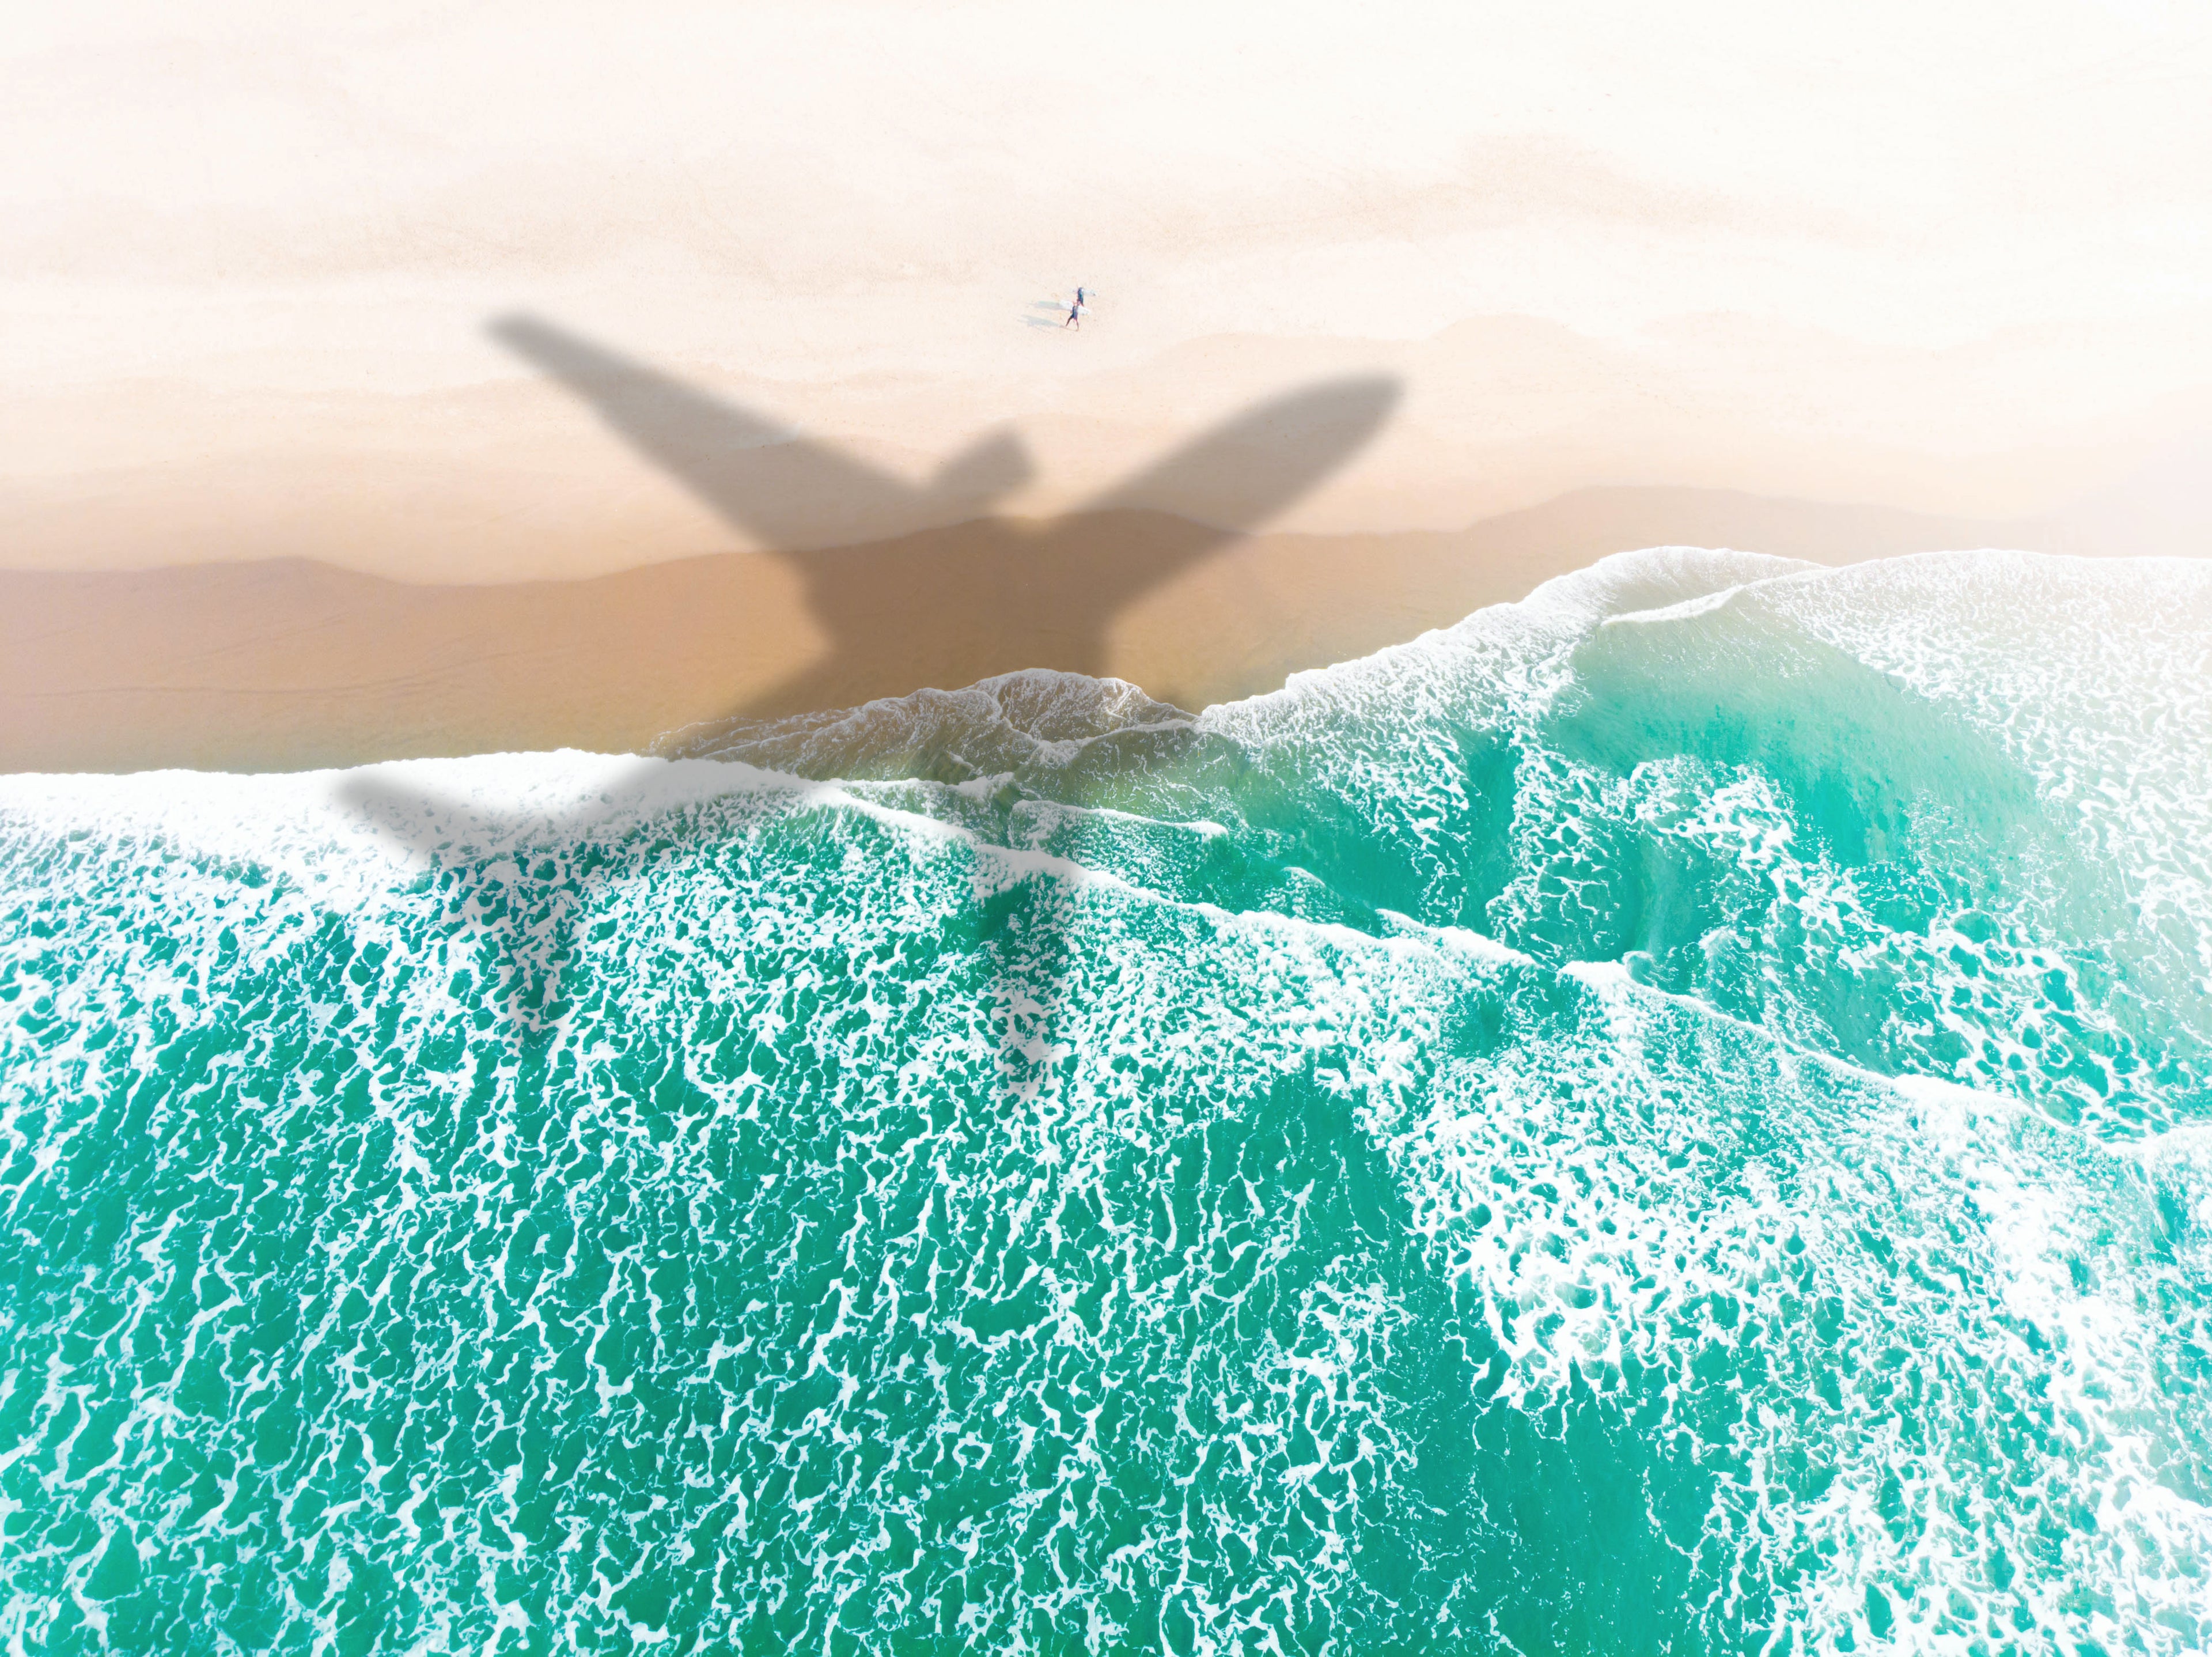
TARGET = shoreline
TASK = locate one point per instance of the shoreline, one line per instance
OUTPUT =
(291, 665)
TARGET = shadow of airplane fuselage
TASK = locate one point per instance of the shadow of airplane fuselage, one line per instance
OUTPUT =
(990, 596)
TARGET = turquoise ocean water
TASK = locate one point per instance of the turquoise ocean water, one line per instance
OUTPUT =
(1675, 1117)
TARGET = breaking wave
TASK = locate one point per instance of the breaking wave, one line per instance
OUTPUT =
(1675, 1116)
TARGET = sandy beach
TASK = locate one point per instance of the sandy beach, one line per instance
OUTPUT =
(461, 381)
(292, 664)
(1676, 1119)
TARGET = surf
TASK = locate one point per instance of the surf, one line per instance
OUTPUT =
(1668, 1116)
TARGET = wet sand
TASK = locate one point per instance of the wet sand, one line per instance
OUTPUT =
(286, 664)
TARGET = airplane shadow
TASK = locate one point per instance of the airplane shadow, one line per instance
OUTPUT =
(965, 609)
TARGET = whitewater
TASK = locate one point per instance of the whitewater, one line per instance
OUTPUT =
(1675, 1116)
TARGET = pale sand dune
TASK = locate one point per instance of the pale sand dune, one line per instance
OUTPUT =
(289, 664)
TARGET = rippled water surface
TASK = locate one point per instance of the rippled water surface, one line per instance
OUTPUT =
(1671, 1117)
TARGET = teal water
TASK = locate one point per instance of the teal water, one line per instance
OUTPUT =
(1676, 1117)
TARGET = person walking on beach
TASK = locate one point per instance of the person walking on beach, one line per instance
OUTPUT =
(1075, 313)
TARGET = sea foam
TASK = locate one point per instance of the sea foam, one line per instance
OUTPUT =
(1668, 1116)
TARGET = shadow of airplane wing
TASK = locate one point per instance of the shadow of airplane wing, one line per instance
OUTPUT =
(949, 608)
(1231, 479)
(755, 473)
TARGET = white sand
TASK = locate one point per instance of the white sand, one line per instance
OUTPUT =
(1952, 258)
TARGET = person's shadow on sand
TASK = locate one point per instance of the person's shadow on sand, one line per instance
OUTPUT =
(992, 597)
